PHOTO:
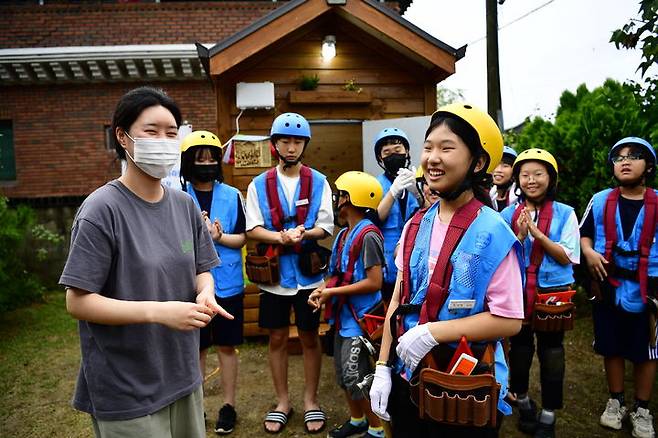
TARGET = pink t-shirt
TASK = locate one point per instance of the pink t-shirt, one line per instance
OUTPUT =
(504, 294)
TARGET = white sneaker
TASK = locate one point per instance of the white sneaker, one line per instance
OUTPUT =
(642, 423)
(613, 415)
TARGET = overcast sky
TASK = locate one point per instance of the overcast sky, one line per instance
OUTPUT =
(559, 46)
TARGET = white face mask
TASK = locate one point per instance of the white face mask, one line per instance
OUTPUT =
(155, 156)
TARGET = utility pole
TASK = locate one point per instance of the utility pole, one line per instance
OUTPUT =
(494, 102)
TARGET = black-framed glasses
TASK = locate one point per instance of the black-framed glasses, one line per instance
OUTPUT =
(630, 157)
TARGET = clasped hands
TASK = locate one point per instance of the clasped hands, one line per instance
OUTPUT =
(318, 297)
(526, 225)
(292, 236)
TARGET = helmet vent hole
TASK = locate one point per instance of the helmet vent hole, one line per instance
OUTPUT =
(203, 136)
(468, 107)
(298, 125)
(372, 195)
(287, 124)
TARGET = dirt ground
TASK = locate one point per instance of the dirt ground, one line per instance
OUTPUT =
(39, 358)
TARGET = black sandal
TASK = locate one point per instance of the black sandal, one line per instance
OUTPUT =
(313, 415)
(277, 417)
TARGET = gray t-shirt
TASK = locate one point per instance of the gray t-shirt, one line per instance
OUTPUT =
(126, 248)
(372, 252)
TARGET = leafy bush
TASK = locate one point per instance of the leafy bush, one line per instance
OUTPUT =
(586, 125)
(23, 243)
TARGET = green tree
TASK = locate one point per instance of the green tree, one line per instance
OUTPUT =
(445, 96)
(23, 243)
(587, 124)
(641, 33)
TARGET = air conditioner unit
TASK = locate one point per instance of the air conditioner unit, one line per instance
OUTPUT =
(254, 95)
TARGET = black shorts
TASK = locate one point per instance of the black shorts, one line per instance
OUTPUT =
(221, 331)
(274, 311)
(618, 333)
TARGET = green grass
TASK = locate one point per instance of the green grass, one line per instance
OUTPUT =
(39, 360)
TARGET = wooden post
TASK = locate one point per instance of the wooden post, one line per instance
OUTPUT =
(494, 102)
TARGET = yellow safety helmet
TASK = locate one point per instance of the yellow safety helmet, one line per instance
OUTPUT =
(420, 174)
(364, 189)
(535, 154)
(490, 137)
(200, 138)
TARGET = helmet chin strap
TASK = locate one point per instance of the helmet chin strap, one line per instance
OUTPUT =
(287, 164)
(467, 183)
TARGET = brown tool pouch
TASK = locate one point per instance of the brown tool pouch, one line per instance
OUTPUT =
(553, 317)
(262, 269)
(456, 399)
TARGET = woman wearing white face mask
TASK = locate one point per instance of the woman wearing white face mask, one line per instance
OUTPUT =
(137, 279)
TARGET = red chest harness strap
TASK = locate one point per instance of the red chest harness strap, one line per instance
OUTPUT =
(305, 191)
(646, 236)
(437, 289)
(345, 278)
(536, 253)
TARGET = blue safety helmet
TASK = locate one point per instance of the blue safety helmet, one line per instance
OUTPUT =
(291, 124)
(633, 141)
(509, 151)
(388, 133)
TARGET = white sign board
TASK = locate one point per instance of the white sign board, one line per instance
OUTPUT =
(414, 127)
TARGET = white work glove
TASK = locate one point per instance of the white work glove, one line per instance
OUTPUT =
(415, 344)
(413, 190)
(379, 392)
(404, 181)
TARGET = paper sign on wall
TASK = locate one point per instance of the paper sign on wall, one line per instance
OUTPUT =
(251, 151)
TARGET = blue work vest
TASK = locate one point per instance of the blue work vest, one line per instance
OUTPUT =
(362, 302)
(628, 293)
(228, 276)
(291, 277)
(482, 249)
(392, 228)
(551, 273)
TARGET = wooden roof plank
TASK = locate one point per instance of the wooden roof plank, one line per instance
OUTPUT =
(421, 48)
(404, 40)
(272, 32)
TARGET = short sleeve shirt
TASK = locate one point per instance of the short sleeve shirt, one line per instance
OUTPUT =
(125, 248)
(506, 278)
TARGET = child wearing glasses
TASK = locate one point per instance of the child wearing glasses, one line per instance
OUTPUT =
(618, 236)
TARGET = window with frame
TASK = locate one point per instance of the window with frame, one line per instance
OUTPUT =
(108, 138)
(7, 155)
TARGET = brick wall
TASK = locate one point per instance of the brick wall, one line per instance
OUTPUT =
(59, 138)
(128, 23)
(59, 133)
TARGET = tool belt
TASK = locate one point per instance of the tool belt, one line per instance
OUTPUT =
(553, 317)
(262, 266)
(313, 258)
(453, 399)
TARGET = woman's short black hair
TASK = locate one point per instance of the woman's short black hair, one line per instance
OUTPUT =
(131, 106)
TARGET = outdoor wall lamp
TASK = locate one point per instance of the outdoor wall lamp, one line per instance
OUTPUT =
(329, 47)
